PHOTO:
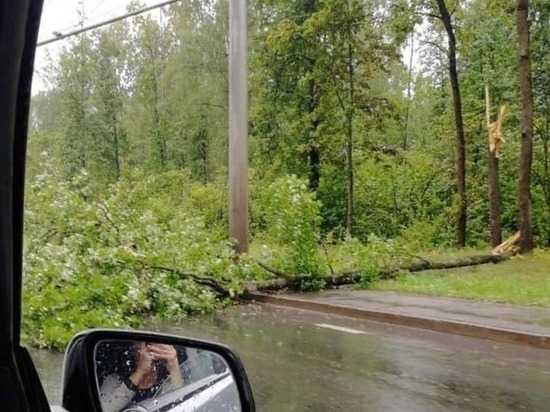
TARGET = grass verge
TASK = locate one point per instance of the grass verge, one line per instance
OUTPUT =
(523, 281)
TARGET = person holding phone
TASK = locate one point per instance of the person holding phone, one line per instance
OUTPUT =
(149, 365)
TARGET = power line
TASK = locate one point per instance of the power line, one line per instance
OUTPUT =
(99, 17)
(104, 23)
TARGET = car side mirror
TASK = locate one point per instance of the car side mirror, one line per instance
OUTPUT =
(131, 371)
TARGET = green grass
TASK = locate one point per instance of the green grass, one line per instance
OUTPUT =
(523, 280)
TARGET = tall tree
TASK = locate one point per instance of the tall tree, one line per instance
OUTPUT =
(196, 72)
(290, 76)
(310, 105)
(313, 77)
(110, 78)
(484, 36)
(355, 54)
(446, 18)
(441, 16)
(540, 52)
(75, 82)
(524, 183)
(152, 45)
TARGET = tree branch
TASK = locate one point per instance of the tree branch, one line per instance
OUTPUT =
(432, 15)
(327, 257)
(434, 44)
(109, 219)
(45, 238)
(200, 280)
(273, 271)
(203, 280)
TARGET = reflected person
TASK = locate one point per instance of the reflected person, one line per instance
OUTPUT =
(150, 365)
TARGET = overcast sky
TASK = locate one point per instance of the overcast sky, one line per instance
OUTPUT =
(63, 16)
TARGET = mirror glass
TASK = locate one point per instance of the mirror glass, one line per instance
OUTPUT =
(138, 376)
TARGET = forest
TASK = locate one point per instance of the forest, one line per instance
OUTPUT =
(378, 130)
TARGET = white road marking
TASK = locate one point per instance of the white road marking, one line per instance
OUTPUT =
(340, 328)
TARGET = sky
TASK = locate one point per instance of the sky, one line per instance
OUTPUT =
(63, 16)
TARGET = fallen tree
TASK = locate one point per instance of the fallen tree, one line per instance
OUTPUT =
(221, 288)
(285, 281)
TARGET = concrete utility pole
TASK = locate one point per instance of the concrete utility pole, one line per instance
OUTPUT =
(238, 124)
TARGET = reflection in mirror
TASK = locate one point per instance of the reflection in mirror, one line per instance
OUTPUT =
(137, 376)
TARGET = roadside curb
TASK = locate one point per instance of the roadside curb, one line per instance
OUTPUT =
(437, 325)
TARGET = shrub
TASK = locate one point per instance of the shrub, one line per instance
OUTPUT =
(291, 215)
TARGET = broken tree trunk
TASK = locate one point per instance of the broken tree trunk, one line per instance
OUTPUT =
(495, 140)
(507, 245)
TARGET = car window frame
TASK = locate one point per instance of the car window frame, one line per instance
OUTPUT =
(19, 23)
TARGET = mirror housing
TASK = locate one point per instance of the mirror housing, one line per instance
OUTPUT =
(79, 384)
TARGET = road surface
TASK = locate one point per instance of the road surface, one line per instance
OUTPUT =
(306, 361)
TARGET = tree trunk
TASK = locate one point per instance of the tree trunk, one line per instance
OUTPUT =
(116, 147)
(409, 93)
(159, 139)
(314, 164)
(494, 200)
(349, 145)
(349, 155)
(545, 179)
(314, 157)
(493, 177)
(285, 281)
(460, 140)
(526, 156)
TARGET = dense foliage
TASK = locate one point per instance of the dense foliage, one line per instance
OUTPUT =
(351, 152)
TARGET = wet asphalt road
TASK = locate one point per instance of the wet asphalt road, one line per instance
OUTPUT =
(306, 361)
